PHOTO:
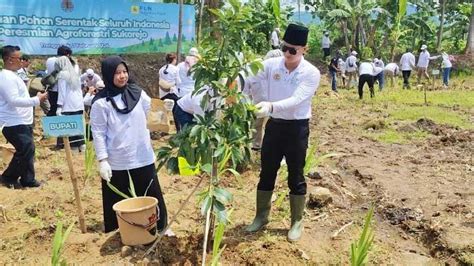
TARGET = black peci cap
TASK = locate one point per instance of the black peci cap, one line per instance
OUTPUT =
(296, 35)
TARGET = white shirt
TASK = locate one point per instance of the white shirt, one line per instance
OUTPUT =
(69, 98)
(123, 139)
(326, 42)
(351, 60)
(446, 62)
(341, 65)
(185, 80)
(424, 59)
(379, 63)
(23, 74)
(392, 67)
(366, 68)
(289, 93)
(50, 68)
(15, 101)
(88, 99)
(275, 40)
(86, 81)
(191, 104)
(171, 77)
(407, 62)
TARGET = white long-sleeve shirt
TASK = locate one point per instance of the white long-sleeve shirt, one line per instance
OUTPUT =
(366, 68)
(326, 42)
(275, 40)
(170, 76)
(446, 61)
(69, 98)
(351, 63)
(407, 62)
(185, 80)
(15, 101)
(424, 59)
(88, 99)
(392, 67)
(289, 93)
(123, 139)
(90, 82)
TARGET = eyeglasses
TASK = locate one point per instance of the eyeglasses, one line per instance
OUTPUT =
(291, 50)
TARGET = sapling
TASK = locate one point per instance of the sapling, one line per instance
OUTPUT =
(59, 240)
(360, 248)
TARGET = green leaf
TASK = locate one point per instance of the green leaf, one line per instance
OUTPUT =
(206, 204)
(276, 9)
(222, 195)
(117, 191)
(207, 168)
(220, 211)
(172, 165)
(131, 189)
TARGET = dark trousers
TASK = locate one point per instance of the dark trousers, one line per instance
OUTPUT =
(288, 138)
(333, 74)
(76, 141)
(141, 179)
(22, 163)
(326, 52)
(369, 79)
(175, 98)
(406, 78)
(183, 118)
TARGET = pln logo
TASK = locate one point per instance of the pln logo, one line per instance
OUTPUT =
(67, 5)
(135, 10)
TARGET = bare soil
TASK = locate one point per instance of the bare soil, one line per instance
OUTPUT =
(423, 192)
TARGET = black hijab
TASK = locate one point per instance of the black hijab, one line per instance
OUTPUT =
(130, 93)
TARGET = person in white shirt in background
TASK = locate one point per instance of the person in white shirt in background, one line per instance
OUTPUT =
(367, 73)
(342, 70)
(92, 92)
(253, 88)
(122, 141)
(391, 71)
(185, 78)
(16, 119)
(89, 79)
(380, 76)
(326, 44)
(446, 66)
(291, 82)
(23, 71)
(407, 64)
(275, 39)
(351, 69)
(70, 100)
(169, 76)
(423, 63)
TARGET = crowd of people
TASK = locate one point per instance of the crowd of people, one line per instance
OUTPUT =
(353, 70)
(282, 93)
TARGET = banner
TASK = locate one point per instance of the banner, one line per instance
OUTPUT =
(94, 26)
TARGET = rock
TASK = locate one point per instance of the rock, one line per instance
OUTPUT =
(334, 172)
(319, 197)
(303, 254)
(145, 262)
(126, 251)
(314, 175)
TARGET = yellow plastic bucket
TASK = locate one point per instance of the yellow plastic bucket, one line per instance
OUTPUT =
(185, 169)
(137, 218)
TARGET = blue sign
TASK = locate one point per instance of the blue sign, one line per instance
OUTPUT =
(94, 26)
(63, 126)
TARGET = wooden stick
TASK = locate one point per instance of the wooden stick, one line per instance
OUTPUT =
(80, 211)
(335, 234)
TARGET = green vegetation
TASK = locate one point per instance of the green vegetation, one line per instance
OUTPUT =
(59, 240)
(360, 249)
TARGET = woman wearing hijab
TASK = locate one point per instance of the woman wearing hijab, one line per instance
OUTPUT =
(69, 95)
(122, 140)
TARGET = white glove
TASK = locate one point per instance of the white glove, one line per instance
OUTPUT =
(59, 111)
(105, 170)
(169, 104)
(264, 109)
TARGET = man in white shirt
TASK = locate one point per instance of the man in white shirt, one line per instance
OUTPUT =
(291, 82)
(407, 63)
(326, 44)
(391, 70)
(379, 64)
(16, 119)
(423, 62)
(351, 68)
(89, 79)
(367, 73)
(275, 40)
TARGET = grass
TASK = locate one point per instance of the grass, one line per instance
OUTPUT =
(438, 114)
(394, 136)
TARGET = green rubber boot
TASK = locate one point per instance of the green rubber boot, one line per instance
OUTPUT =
(297, 204)
(264, 201)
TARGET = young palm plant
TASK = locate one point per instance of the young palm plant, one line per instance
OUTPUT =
(360, 248)
(59, 240)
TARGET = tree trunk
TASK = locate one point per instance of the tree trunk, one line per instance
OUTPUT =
(199, 29)
(470, 35)
(214, 4)
(180, 31)
(441, 24)
(346, 38)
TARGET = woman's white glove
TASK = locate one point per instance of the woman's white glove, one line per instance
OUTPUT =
(59, 111)
(105, 170)
(264, 109)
